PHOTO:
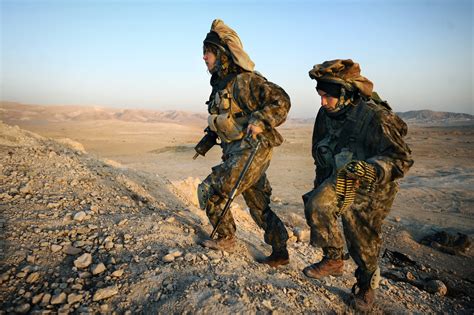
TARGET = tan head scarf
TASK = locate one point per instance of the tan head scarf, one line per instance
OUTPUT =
(230, 38)
(342, 71)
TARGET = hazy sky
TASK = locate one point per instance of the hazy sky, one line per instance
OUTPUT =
(148, 54)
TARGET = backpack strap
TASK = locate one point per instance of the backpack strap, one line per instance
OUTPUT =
(357, 145)
(236, 109)
(355, 128)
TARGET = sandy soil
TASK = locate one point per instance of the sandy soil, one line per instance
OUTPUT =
(436, 194)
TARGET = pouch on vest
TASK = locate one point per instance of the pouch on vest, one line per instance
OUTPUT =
(227, 126)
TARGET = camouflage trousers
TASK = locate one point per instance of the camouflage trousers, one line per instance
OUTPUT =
(362, 223)
(255, 188)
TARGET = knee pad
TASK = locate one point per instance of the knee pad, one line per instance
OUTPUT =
(204, 193)
(368, 279)
(375, 279)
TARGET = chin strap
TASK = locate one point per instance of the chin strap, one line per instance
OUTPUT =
(343, 101)
(222, 68)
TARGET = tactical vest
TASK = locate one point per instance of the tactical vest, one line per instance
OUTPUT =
(341, 146)
(226, 117)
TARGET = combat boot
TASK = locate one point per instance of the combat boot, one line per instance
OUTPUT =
(225, 243)
(324, 268)
(277, 258)
(362, 298)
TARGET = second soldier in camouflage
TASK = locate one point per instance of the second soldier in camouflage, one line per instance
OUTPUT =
(359, 154)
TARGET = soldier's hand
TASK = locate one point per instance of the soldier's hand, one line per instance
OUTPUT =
(361, 170)
(254, 131)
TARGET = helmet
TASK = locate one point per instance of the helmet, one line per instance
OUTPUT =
(213, 39)
(344, 72)
(226, 38)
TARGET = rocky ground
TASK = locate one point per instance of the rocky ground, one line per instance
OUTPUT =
(84, 235)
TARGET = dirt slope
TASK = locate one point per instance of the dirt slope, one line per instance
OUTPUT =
(84, 235)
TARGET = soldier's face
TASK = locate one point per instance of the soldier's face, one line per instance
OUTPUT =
(209, 59)
(328, 102)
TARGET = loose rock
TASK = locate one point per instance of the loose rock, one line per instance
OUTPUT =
(23, 308)
(105, 293)
(37, 298)
(74, 298)
(175, 252)
(33, 277)
(168, 258)
(56, 248)
(99, 268)
(117, 273)
(46, 299)
(80, 216)
(83, 261)
(59, 299)
(31, 259)
(109, 245)
(71, 250)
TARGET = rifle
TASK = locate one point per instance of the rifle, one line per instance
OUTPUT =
(232, 194)
(206, 143)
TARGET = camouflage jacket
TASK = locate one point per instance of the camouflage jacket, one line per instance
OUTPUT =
(370, 132)
(265, 103)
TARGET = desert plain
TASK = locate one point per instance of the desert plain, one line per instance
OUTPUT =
(154, 152)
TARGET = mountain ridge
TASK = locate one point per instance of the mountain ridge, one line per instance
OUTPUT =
(13, 112)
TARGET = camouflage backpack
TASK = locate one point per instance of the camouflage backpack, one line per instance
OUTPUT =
(377, 100)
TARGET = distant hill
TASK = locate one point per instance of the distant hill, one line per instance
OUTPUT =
(17, 113)
(424, 116)
(12, 113)
(429, 116)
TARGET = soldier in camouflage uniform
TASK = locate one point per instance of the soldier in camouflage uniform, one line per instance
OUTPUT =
(359, 154)
(242, 103)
